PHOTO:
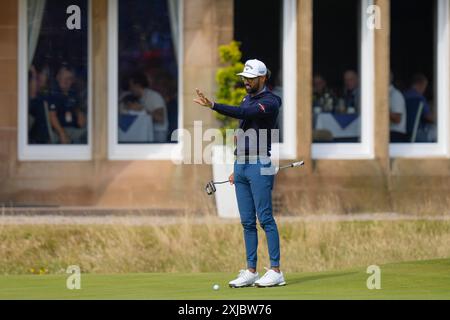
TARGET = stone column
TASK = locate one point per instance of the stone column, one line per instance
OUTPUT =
(382, 70)
(304, 81)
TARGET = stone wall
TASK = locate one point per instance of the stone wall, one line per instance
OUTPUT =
(332, 186)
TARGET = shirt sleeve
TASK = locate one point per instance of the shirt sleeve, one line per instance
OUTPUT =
(397, 103)
(51, 104)
(159, 101)
(153, 101)
(259, 109)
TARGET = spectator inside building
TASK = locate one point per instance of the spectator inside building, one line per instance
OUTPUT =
(350, 102)
(38, 105)
(414, 96)
(323, 98)
(397, 113)
(165, 84)
(153, 103)
(131, 105)
(66, 117)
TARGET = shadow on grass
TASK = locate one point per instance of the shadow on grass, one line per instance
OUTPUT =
(319, 277)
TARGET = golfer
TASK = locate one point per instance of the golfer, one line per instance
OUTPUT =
(258, 114)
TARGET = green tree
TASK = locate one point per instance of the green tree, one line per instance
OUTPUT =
(228, 90)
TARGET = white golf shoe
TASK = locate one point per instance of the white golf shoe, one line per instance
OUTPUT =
(244, 279)
(271, 279)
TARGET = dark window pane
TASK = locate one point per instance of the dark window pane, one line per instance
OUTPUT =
(336, 81)
(58, 72)
(412, 107)
(148, 71)
(262, 39)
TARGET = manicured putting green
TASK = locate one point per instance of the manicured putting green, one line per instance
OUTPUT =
(407, 280)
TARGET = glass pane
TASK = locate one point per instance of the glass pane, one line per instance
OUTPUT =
(270, 51)
(336, 81)
(411, 93)
(58, 72)
(148, 71)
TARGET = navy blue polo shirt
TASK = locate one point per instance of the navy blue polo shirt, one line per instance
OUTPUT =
(414, 94)
(258, 117)
(66, 107)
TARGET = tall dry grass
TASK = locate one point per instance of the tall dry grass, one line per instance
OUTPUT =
(216, 247)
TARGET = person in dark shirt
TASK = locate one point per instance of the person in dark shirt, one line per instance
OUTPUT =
(66, 117)
(419, 84)
(38, 102)
(324, 99)
(351, 96)
(258, 114)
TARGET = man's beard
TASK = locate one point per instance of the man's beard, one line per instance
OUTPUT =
(252, 89)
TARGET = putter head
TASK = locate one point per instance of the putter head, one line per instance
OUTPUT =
(210, 188)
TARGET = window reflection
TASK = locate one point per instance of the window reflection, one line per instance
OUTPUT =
(57, 73)
(148, 70)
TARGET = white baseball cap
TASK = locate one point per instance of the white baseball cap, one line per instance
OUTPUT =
(254, 68)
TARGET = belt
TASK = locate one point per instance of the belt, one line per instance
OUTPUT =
(265, 159)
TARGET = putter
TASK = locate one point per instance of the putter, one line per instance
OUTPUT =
(210, 187)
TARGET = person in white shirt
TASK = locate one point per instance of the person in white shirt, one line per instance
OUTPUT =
(397, 114)
(153, 103)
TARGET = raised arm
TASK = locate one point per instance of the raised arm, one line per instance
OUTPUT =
(261, 109)
(265, 108)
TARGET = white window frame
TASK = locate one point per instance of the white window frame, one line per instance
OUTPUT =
(150, 151)
(440, 148)
(288, 148)
(365, 148)
(57, 152)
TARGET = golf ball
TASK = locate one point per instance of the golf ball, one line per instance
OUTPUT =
(216, 287)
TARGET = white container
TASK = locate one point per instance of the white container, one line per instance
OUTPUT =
(223, 166)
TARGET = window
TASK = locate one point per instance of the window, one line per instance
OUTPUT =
(144, 88)
(54, 75)
(419, 78)
(342, 80)
(278, 51)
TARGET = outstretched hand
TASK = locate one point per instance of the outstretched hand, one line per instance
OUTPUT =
(202, 100)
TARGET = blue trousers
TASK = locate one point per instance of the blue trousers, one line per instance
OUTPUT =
(254, 198)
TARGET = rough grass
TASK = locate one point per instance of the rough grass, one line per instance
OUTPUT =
(307, 246)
